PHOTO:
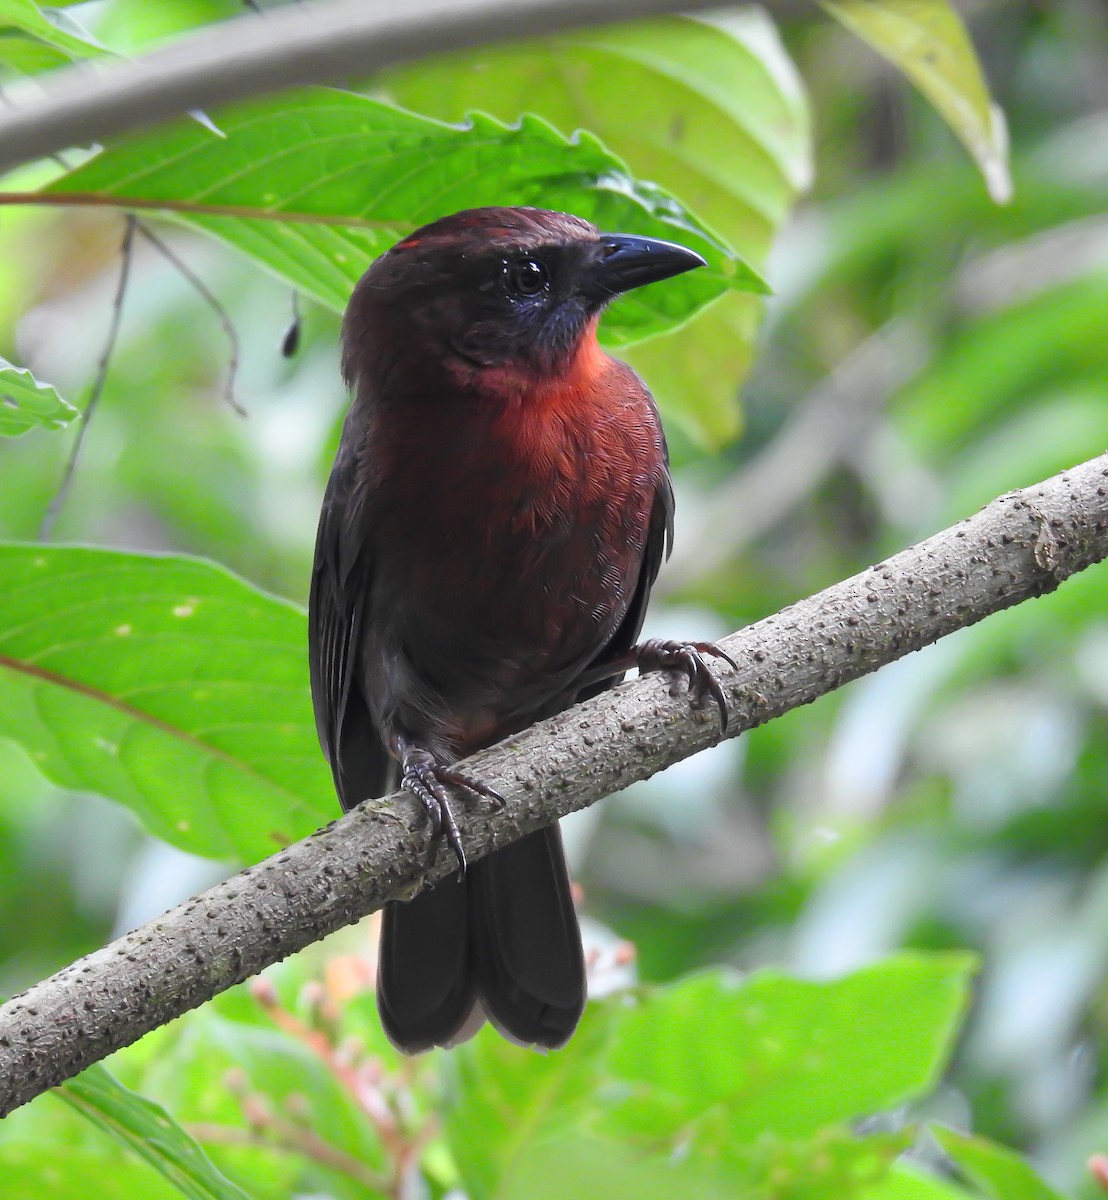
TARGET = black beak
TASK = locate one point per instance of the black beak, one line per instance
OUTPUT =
(624, 262)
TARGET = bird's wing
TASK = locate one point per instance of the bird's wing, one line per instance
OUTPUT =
(341, 582)
(659, 540)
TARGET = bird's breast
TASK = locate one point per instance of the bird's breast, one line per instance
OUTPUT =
(512, 540)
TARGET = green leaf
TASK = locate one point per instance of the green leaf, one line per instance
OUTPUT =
(42, 1170)
(717, 108)
(63, 32)
(582, 1166)
(800, 1056)
(314, 184)
(135, 26)
(148, 1130)
(167, 684)
(695, 373)
(1020, 354)
(996, 1171)
(719, 112)
(25, 403)
(835, 1163)
(1047, 434)
(507, 1102)
(217, 1070)
(28, 56)
(906, 1182)
(927, 40)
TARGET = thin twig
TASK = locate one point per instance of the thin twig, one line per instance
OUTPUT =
(291, 1139)
(346, 1075)
(823, 429)
(213, 303)
(364, 1082)
(60, 496)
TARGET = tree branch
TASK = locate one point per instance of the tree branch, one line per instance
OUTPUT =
(317, 43)
(1022, 545)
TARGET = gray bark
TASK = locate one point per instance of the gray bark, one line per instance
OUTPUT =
(1020, 546)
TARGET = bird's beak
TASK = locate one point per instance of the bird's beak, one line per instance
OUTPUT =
(625, 262)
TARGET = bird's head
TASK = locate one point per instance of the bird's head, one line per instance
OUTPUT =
(496, 294)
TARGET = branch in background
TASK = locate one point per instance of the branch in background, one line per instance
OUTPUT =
(249, 55)
(835, 421)
(58, 501)
(1022, 545)
(824, 428)
(133, 226)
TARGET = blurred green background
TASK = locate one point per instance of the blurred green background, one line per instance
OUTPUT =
(924, 351)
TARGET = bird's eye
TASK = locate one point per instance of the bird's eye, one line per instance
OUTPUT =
(527, 277)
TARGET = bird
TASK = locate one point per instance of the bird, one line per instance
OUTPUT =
(498, 510)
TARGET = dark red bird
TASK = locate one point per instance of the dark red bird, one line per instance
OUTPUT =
(497, 512)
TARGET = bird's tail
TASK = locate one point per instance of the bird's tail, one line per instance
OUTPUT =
(503, 943)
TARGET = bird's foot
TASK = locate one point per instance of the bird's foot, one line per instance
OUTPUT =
(428, 780)
(687, 657)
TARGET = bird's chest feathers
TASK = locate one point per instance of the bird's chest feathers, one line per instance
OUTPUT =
(516, 537)
(547, 467)
(561, 471)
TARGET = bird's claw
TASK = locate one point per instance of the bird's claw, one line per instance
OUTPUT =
(428, 780)
(658, 654)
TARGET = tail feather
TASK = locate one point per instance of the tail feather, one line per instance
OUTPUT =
(526, 942)
(503, 943)
(425, 987)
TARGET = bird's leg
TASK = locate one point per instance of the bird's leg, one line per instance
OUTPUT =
(426, 778)
(658, 654)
